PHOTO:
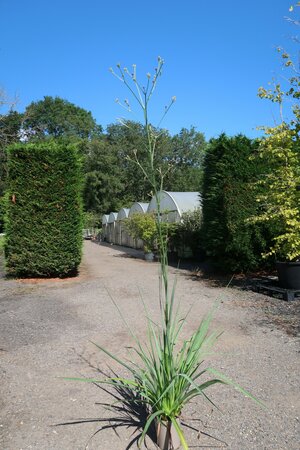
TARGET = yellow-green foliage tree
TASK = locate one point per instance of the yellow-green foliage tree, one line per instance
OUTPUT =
(278, 190)
(144, 227)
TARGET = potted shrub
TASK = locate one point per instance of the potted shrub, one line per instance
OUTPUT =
(168, 370)
(278, 196)
(142, 226)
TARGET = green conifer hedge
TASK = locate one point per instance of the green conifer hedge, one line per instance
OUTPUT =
(228, 203)
(44, 213)
(2, 213)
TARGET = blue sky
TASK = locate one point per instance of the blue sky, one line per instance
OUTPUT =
(217, 54)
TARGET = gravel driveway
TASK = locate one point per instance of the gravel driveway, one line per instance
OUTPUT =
(46, 333)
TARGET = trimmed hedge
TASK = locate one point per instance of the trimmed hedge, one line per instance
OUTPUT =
(1, 245)
(228, 203)
(2, 213)
(44, 215)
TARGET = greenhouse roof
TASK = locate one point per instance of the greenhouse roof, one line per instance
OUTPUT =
(123, 213)
(112, 217)
(105, 219)
(176, 201)
(138, 207)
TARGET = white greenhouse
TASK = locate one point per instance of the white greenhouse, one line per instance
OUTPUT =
(174, 204)
(112, 218)
(121, 235)
(137, 208)
(105, 227)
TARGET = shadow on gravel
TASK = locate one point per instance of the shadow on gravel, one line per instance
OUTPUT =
(128, 411)
(123, 252)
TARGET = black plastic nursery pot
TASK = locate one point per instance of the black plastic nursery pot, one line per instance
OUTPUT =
(289, 274)
(149, 256)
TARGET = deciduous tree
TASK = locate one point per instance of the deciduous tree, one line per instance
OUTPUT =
(279, 193)
(56, 117)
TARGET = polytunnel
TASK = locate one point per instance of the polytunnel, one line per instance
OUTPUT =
(121, 235)
(112, 218)
(137, 208)
(105, 227)
(174, 204)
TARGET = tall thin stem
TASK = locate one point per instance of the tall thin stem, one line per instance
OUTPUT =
(155, 178)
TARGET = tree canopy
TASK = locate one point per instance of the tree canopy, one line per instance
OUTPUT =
(111, 173)
(10, 126)
(104, 188)
(188, 149)
(113, 178)
(56, 117)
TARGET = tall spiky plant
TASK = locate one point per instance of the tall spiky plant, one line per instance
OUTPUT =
(164, 378)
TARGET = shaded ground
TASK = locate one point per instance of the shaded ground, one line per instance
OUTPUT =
(46, 329)
(273, 311)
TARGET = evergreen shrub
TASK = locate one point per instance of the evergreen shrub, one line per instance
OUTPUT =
(44, 215)
(228, 203)
(187, 235)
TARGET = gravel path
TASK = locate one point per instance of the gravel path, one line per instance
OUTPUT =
(46, 333)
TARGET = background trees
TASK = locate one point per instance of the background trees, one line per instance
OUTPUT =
(57, 117)
(112, 176)
(104, 185)
(125, 142)
(10, 126)
(188, 149)
(10, 122)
